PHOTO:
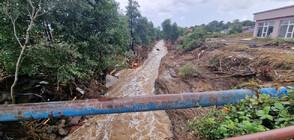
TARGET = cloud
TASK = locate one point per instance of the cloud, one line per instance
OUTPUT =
(192, 12)
(232, 5)
(159, 10)
(235, 5)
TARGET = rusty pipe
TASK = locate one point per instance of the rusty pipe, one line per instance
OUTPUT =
(276, 134)
(121, 105)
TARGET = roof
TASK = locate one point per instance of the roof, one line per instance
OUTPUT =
(274, 9)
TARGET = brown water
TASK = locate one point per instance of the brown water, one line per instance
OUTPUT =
(135, 126)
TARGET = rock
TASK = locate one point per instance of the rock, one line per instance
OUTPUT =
(52, 136)
(110, 80)
(75, 120)
(173, 73)
(50, 129)
(44, 135)
(61, 124)
(62, 132)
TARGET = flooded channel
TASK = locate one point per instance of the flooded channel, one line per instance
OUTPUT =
(141, 125)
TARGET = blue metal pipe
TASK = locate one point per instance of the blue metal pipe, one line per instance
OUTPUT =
(273, 92)
(121, 105)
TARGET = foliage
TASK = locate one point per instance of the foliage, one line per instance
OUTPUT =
(142, 31)
(193, 40)
(74, 39)
(251, 115)
(217, 26)
(170, 31)
(187, 71)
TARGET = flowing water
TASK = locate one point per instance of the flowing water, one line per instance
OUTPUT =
(140, 125)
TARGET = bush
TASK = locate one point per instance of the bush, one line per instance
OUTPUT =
(251, 115)
(194, 40)
(187, 71)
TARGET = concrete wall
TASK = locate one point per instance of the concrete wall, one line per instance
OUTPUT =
(276, 13)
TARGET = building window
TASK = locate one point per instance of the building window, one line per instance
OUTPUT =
(286, 29)
(265, 29)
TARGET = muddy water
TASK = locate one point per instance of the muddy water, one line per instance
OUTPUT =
(143, 125)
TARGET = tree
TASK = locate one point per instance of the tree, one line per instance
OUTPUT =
(166, 28)
(174, 32)
(248, 23)
(170, 31)
(11, 10)
(80, 38)
(133, 14)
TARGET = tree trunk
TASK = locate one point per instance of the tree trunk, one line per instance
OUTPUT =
(16, 74)
(33, 16)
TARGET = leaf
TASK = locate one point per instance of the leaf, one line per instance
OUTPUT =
(241, 113)
(260, 113)
(266, 110)
(285, 103)
(274, 109)
(279, 120)
(247, 97)
(284, 113)
(279, 106)
(269, 117)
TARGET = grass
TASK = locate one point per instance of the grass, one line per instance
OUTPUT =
(229, 35)
(277, 40)
(187, 71)
(289, 58)
(240, 48)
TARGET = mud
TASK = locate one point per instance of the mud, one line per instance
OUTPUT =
(141, 125)
(222, 66)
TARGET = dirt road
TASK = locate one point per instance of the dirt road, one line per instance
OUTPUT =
(143, 125)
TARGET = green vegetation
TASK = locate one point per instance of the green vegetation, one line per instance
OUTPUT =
(277, 40)
(193, 40)
(251, 115)
(187, 71)
(170, 31)
(142, 31)
(241, 48)
(68, 39)
(236, 26)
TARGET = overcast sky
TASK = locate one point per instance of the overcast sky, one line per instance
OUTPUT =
(195, 12)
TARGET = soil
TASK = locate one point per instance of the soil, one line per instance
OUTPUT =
(221, 66)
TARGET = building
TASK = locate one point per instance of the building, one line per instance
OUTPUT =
(226, 31)
(190, 29)
(276, 23)
(248, 29)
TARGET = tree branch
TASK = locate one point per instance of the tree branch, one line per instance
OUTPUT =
(13, 24)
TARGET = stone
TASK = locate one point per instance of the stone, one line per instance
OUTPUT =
(75, 120)
(110, 81)
(61, 123)
(62, 132)
(44, 135)
(173, 73)
(50, 129)
(52, 136)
